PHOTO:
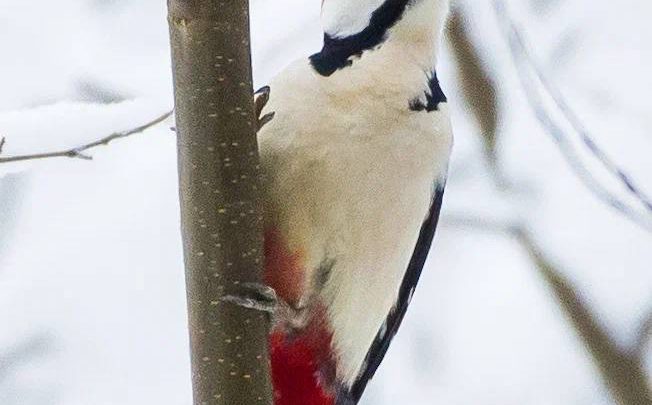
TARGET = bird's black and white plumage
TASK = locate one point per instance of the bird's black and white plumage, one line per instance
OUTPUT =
(355, 162)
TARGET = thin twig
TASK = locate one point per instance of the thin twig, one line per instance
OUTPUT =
(479, 224)
(583, 173)
(521, 56)
(78, 152)
(577, 124)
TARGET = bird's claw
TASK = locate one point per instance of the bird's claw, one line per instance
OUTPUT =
(261, 97)
(255, 296)
(263, 298)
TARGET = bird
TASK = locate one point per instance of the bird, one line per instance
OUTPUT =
(354, 143)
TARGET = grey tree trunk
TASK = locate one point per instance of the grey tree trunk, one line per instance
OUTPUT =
(219, 176)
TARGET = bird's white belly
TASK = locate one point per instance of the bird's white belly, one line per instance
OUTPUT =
(359, 206)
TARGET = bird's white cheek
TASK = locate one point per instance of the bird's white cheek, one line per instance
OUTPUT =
(342, 18)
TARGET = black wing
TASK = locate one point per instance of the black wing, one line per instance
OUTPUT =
(384, 337)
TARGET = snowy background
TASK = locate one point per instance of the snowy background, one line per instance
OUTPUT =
(92, 302)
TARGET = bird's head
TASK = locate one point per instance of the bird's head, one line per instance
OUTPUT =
(353, 27)
(344, 18)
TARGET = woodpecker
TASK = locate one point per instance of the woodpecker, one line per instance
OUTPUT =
(355, 160)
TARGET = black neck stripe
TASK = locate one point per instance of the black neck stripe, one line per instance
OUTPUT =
(336, 51)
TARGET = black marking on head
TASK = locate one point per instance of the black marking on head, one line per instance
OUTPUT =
(387, 331)
(433, 96)
(336, 52)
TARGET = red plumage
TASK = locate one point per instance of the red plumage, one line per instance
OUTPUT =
(295, 372)
(283, 268)
(301, 360)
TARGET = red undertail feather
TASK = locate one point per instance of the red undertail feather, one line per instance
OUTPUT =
(296, 372)
(301, 360)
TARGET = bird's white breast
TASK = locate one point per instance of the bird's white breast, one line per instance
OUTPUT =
(350, 180)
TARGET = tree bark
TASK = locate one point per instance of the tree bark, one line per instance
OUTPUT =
(219, 176)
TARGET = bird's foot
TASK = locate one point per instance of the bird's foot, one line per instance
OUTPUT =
(263, 298)
(261, 97)
(256, 296)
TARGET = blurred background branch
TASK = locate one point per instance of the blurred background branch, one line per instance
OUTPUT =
(622, 371)
(533, 79)
(26, 354)
(643, 338)
(478, 88)
(22, 353)
(11, 191)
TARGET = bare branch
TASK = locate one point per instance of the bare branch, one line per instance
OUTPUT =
(78, 152)
(622, 371)
(577, 124)
(2, 144)
(479, 224)
(221, 204)
(478, 88)
(623, 374)
(644, 336)
(525, 63)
